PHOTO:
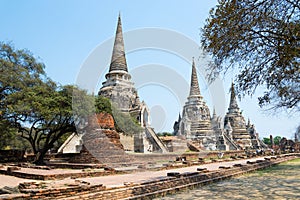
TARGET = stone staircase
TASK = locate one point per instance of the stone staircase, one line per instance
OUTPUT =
(194, 146)
(231, 143)
(201, 125)
(104, 148)
(154, 138)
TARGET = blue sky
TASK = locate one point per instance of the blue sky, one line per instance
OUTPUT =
(64, 33)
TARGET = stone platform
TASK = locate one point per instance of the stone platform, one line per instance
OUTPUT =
(143, 185)
(53, 174)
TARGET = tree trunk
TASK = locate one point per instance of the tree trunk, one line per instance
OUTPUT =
(39, 158)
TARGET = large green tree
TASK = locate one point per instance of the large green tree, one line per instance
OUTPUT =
(103, 104)
(267, 141)
(42, 114)
(276, 140)
(125, 123)
(262, 39)
(7, 134)
(18, 71)
(31, 103)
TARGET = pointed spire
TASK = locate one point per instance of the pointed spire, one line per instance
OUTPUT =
(214, 116)
(179, 117)
(194, 90)
(249, 123)
(232, 97)
(214, 112)
(118, 60)
(233, 106)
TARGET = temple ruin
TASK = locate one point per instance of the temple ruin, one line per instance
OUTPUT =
(195, 123)
(195, 129)
(119, 88)
(211, 133)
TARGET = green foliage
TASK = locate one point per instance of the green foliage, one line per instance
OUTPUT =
(9, 138)
(125, 123)
(60, 141)
(267, 141)
(165, 134)
(277, 140)
(6, 133)
(83, 104)
(18, 71)
(31, 103)
(43, 115)
(103, 105)
(261, 39)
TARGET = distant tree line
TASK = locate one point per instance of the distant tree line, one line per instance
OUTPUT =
(276, 140)
(162, 134)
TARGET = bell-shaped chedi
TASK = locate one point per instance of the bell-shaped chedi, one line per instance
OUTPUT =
(237, 122)
(195, 124)
(119, 88)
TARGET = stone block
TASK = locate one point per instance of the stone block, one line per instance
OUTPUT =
(224, 167)
(143, 166)
(187, 174)
(186, 162)
(202, 170)
(13, 168)
(259, 161)
(201, 159)
(128, 183)
(238, 165)
(176, 174)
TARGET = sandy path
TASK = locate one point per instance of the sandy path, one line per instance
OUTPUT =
(118, 180)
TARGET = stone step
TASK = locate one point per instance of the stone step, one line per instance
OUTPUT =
(104, 148)
(152, 135)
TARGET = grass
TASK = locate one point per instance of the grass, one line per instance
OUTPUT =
(279, 168)
(297, 160)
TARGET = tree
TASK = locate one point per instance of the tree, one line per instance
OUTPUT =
(124, 122)
(277, 140)
(31, 103)
(83, 106)
(9, 139)
(163, 134)
(103, 104)
(18, 70)
(267, 141)
(6, 133)
(43, 115)
(261, 39)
